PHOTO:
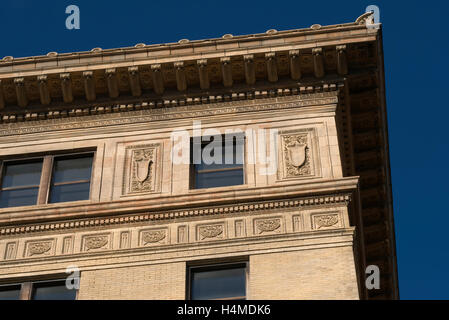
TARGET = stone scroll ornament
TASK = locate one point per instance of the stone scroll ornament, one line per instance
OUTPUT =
(93, 243)
(326, 221)
(268, 225)
(153, 236)
(211, 231)
(296, 155)
(142, 170)
(39, 248)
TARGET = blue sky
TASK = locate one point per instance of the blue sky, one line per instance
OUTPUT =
(416, 45)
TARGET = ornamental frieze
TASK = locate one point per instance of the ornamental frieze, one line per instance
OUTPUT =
(158, 216)
(151, 114)
(282, 221)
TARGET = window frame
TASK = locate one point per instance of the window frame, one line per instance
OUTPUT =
(27, 286)
(43, 196)
(213, 266)
(192, 172)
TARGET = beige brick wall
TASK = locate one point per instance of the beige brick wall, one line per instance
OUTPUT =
(327, 273)
(149, 282)
(308, 274)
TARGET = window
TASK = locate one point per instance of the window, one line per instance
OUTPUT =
(53, 290)
(49, 179)
(221, 282)
(71, 178)
(218, 162)
(40, 290)
(10, 292)
(20, 183)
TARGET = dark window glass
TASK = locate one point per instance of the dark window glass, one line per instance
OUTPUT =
(71, 178)
(10, 292)
(229, 283)
(20, 183)
(227, 171)
(55, 290)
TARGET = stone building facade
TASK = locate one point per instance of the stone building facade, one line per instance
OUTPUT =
(305, 230)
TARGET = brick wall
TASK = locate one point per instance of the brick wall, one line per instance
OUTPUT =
(327, 273)
(159, 281)
(307, 274)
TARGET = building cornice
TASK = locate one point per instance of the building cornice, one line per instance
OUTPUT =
(189, 69)
(226, 43)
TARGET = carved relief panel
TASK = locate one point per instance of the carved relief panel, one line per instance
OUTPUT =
(141, 169)
(268, 226)
(298, 154)
(154, 237)
(40, 248)
(214, 231)
(96, 242)
(323, 221)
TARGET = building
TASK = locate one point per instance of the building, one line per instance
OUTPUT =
(88, 143)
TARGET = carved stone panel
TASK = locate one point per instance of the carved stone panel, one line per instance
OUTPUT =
(183, 234)
(297, 154)
(297, 223)
(96, 242)
(324, 221)
(153, 237)
(140, 170)
(240, 230)
(268, 226)
(39, 248)
(67, 245)
(10, 250)
(125, 239)
(211, 232)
